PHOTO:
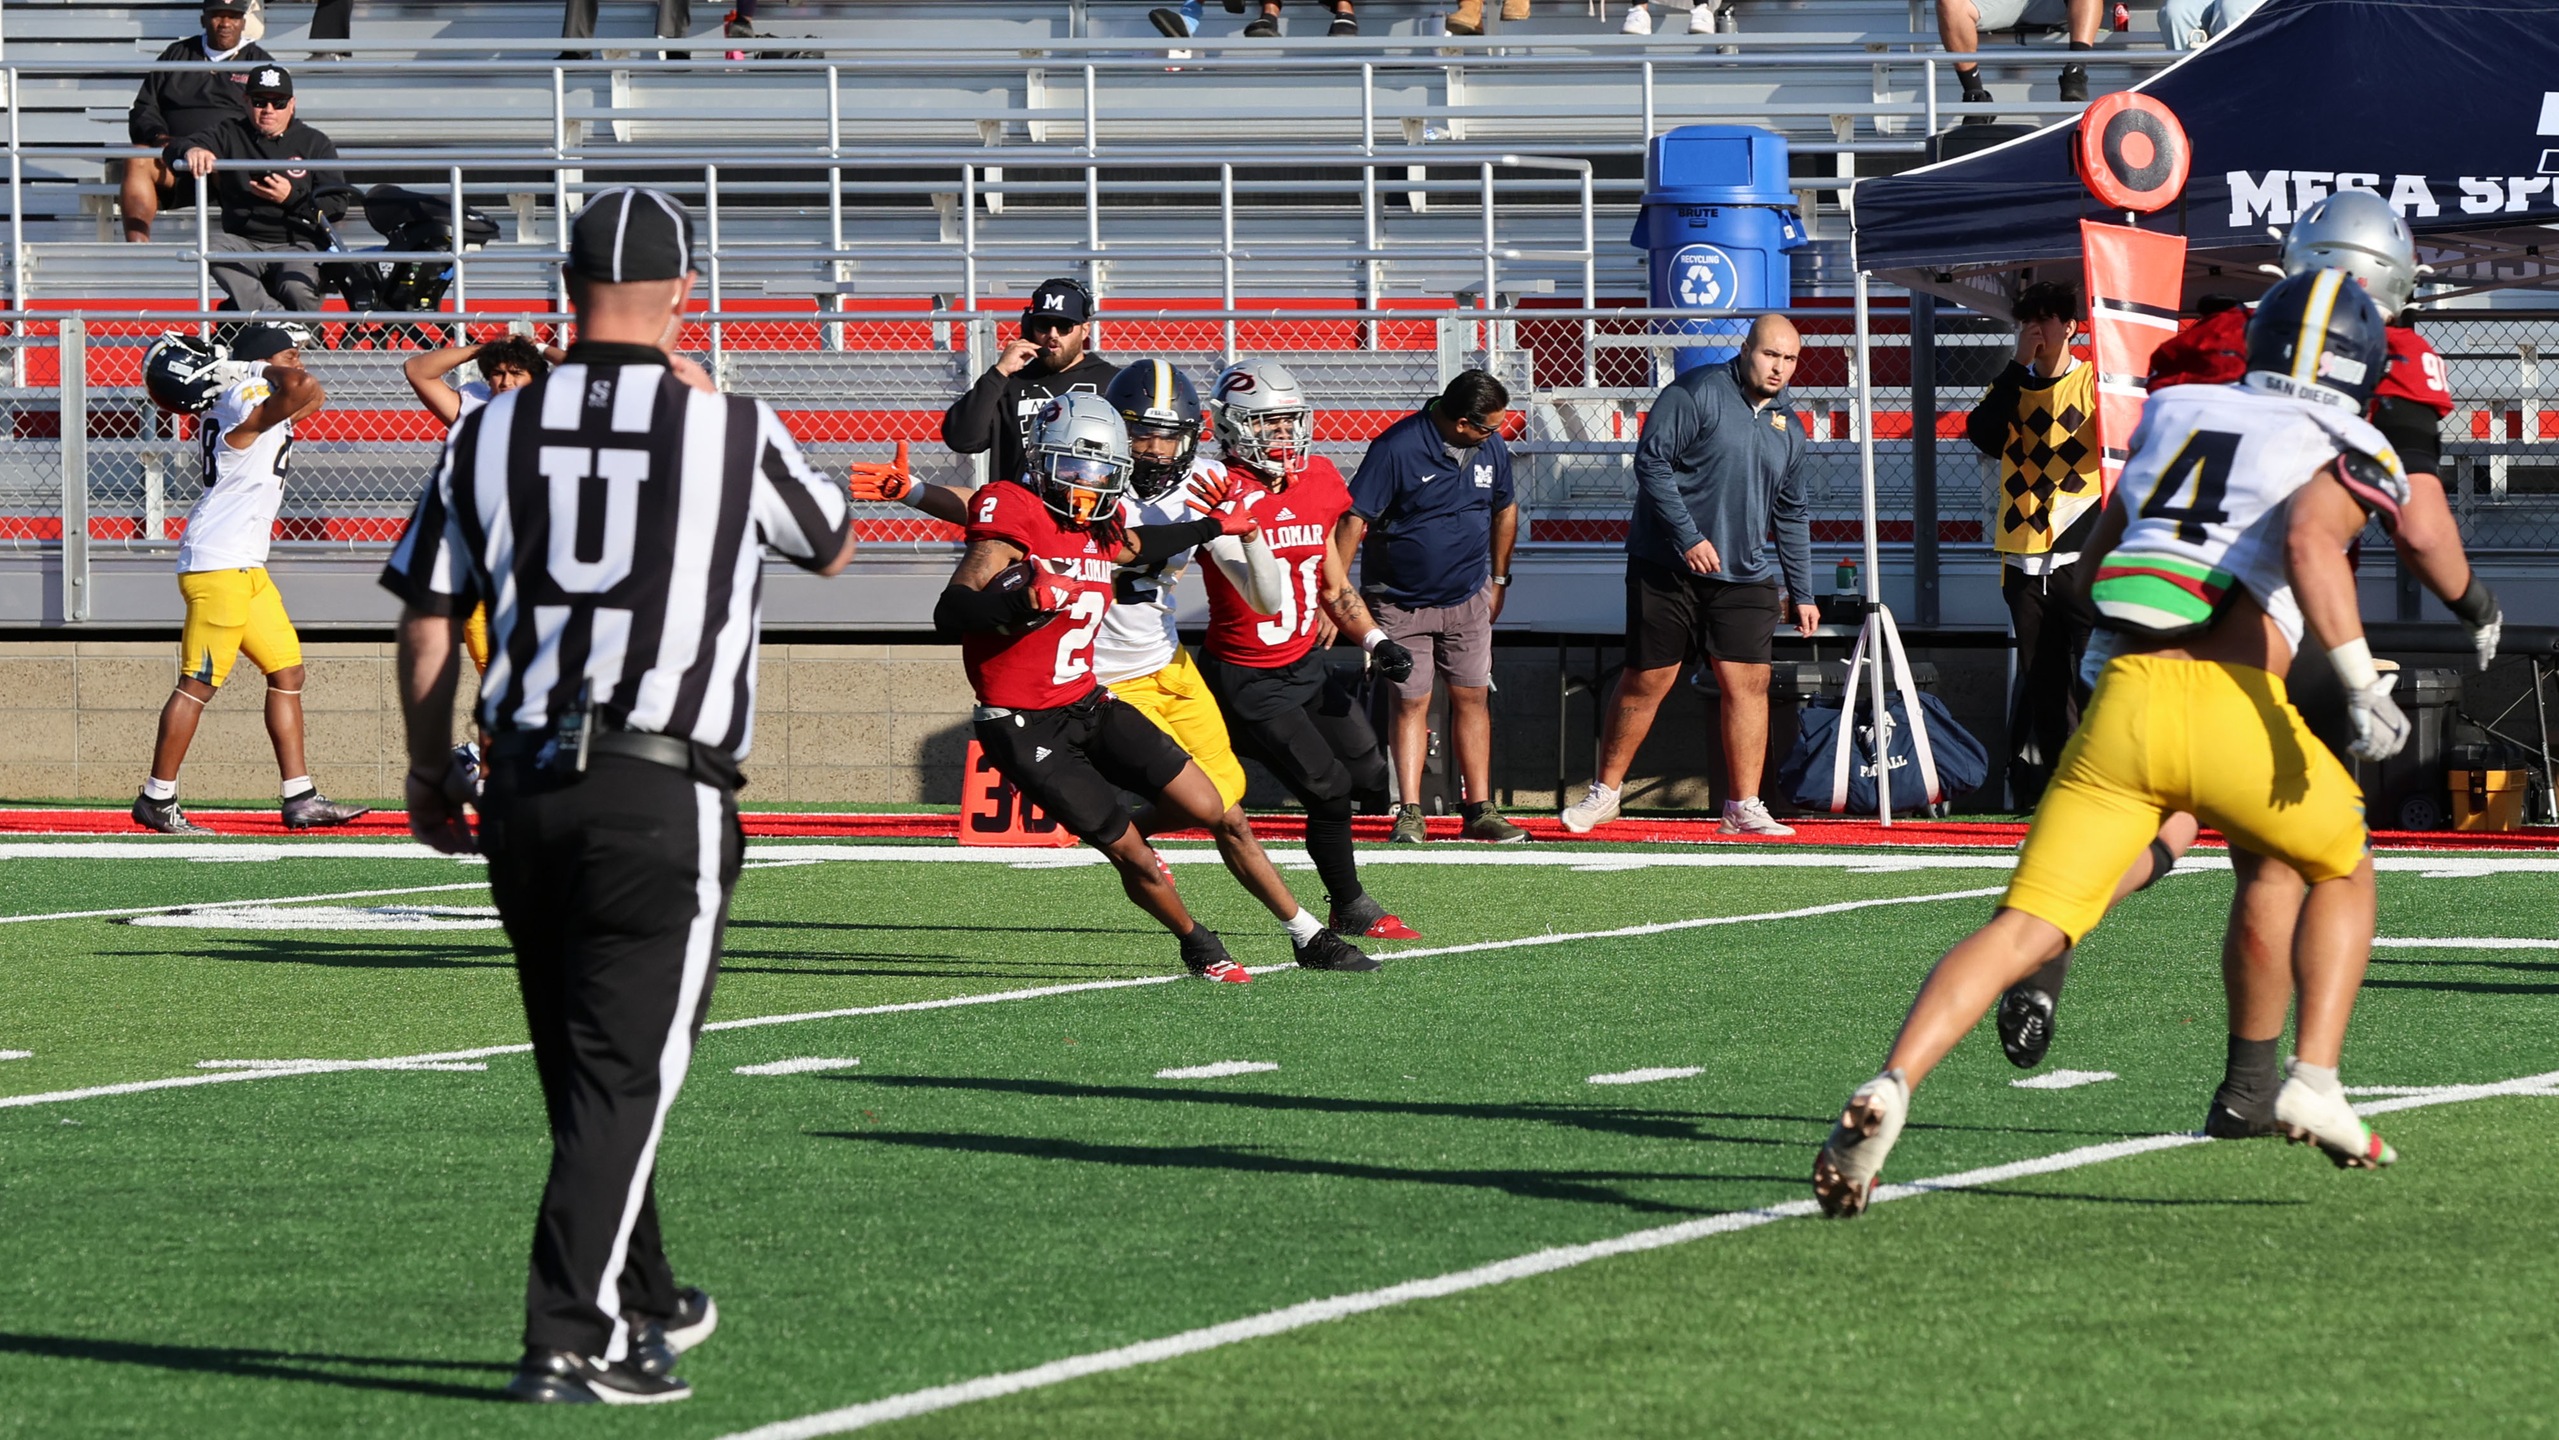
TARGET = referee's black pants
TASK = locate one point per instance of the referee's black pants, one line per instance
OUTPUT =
(614, 886)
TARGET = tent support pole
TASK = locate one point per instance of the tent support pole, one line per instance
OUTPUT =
(1926, 603)
(1876, 616)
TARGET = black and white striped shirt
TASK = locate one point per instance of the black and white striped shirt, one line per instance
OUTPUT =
(612, 518)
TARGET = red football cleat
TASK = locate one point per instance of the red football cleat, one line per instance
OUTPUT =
(1387, 927)
(1225, 970)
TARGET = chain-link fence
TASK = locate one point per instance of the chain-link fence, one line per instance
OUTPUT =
(853, 385)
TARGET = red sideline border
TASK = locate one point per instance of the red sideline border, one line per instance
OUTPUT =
(774, 825)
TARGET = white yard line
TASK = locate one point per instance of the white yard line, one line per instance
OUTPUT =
(796, 1067)
(950, 1002)
(1541, 1262)
(2062, 1079)
(1217, 1071)
(1647, 1077)
(2472, 944)
(238, 904)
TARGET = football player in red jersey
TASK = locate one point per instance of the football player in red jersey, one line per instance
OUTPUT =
(1026, 602)
(1286, 707)
(2357, 232)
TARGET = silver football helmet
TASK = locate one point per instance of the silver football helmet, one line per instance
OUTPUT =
(2356, 231)
(1079, 457)
(1262, 417)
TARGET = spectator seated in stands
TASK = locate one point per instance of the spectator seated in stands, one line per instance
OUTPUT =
(175, 103)
(2187, 24)
(675, 21)
(1960, 24)
(1184, 19)
(268, 210)
(1468, 17)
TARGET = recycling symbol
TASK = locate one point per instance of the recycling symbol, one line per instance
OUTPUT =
(1704, 278)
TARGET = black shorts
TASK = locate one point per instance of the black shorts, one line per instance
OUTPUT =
(1074, 761)
(1304, 722)
(1675, 616)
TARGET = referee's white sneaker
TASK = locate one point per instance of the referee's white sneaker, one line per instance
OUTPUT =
(1751, 817)
(1597, 807)
(1844, 1172)
(563, 1377)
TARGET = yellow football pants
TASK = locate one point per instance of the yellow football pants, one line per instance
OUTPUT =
(230, 612)
(1177, 700)
(2219, 741)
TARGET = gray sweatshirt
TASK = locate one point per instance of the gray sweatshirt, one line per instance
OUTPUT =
(1711, 466)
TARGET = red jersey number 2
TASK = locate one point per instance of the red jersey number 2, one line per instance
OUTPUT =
(1298, 593)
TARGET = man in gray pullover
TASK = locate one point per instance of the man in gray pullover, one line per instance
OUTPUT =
(1717, 473)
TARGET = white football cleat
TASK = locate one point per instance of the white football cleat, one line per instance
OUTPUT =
(2309, 1115)
(1597, 807)
(1844, 1172)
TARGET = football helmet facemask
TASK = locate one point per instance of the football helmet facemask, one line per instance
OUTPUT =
(182, 375)
(1079, 457)
(1154, 400)
(1262, 418)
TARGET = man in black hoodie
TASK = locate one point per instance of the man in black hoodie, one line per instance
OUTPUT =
(172, 104)
(1049, 360)
(268, 209)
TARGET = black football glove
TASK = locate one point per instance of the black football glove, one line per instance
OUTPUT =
(1392, 661)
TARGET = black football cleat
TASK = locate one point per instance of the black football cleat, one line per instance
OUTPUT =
(2025, 1025)
(164, 816)
(562, 1377)
(312, 810)
(2241, 1114)
(1328, 951)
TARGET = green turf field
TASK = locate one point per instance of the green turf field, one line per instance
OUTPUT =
(999, 1186)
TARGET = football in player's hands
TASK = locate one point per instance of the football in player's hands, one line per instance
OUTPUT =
(1049, 593)
(1392, 661)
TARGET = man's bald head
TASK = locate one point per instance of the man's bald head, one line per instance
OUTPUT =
(1768, 357)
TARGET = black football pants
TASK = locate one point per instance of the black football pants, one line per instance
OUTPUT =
(1303, 721)
(2052, 616)
(614, 887)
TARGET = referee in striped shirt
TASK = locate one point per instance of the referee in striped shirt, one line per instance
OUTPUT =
(613, 515)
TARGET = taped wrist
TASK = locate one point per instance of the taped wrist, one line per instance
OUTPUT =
(2477, 605)
(2353, 661)
(961, 609)
(1159, 542)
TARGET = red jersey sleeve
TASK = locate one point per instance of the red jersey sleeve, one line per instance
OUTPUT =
(2416, 372)
(1003, 510)
(2212, 351)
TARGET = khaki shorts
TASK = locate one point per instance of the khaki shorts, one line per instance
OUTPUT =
(1455, 638)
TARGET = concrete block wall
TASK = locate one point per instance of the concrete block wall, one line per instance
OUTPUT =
(871, 724)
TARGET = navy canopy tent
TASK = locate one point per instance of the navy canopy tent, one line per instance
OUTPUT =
(2448, 110)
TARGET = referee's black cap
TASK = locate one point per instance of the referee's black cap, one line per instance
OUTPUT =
(631, 233)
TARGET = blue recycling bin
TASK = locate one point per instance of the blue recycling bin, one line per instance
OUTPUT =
(1718, 223)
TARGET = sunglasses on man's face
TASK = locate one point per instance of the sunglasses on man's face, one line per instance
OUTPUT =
(1043, 327)
(257, 104)
(1469, 422)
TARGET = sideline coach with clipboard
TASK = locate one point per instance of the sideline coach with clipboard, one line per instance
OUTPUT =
(613, 515)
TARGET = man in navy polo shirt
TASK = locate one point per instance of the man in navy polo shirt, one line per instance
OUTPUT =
(1437, 488)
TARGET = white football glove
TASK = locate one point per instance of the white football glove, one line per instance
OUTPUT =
(2380, 728)
(2483, 638)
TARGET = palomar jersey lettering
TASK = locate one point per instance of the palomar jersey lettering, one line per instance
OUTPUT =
(1298, 522)
(613, 519)
(1051, 664)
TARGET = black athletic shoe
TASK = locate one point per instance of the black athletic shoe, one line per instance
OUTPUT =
(656, 1342)
(2025, 1025)
(312, 810)
(2240, 1115)
(561, 1377)
(1265, 28)
(2074, 84)
(1328, 951)
(164, 816)
(1342, 25)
